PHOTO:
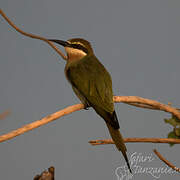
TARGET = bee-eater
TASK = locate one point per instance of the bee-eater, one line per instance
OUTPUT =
(92, 84)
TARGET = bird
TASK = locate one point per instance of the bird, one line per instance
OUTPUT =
(92, 84)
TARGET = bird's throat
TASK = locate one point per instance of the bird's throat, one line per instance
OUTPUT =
(74, 54)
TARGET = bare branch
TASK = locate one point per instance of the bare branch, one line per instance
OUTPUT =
(136, 140)
(77, 107)
(135, 100)
(166, 161)
(41, 122)
(32, 35)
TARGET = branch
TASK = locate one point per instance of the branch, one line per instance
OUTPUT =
(135, 140)
(32, 35)
(77, 107)
(147, 103)
(41, 122)
(166, 161)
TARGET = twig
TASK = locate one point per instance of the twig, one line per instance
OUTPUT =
(136, 140)
(166, 161)
(32, 35)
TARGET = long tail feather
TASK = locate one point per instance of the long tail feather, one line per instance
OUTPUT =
(119, 142)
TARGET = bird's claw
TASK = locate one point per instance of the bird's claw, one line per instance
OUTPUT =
(86, 107)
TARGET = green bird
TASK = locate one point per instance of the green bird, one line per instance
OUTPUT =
(92, 84)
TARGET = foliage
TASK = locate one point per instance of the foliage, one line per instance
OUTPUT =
(175, 122)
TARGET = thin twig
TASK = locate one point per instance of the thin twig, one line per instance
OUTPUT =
(136, 140)
(166, 161)
(32, 35)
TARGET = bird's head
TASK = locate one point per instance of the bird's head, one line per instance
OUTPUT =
(76, 48)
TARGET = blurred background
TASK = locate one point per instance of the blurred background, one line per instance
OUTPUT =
(138, 42)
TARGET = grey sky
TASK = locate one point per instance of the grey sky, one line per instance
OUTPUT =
(138, 41)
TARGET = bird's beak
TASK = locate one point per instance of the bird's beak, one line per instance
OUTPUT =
(62, 43)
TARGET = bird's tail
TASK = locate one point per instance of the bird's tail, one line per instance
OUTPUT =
(119, 142)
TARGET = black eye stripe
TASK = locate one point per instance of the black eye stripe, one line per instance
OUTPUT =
(78, 46)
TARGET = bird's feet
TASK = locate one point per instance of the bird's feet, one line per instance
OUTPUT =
(86, 106)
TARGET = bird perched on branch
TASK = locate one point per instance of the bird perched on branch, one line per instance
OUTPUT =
(92, 84)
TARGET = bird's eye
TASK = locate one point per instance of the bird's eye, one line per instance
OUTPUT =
(79, 46)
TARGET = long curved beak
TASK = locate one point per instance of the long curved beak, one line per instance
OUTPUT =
(62, 43)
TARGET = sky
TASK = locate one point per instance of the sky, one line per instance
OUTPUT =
(136, 40)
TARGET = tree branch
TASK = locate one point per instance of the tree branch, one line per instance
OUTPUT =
(136, 140)
(77, 107)
(32, 35)
(147, 103)
(41, 122)
(166, 161)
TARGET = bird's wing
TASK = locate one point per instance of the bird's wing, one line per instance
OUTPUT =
(93, 81)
